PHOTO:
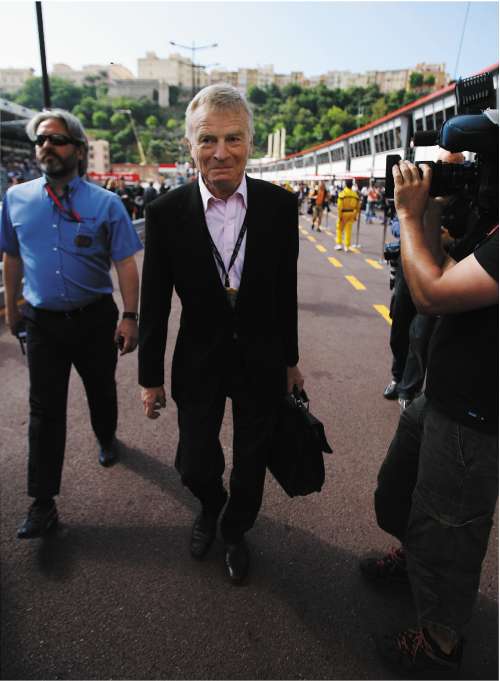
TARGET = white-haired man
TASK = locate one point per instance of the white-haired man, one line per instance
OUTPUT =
(229, 246)
(62, 232)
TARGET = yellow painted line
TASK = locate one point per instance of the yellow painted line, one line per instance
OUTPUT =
(304, 231)
(311, 238)
(335, 262)
(383, 310)
(321, 249)
(355, 282)
(376, 265)
(328, 232)
(354, 250)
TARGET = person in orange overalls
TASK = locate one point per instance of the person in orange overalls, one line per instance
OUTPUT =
(348, 206)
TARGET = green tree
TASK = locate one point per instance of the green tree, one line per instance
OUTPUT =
(416, 80)
(380, 108)
(119, 121)
(100, 119)
(152, 122)
(256, 95)
(156, 150)
(430, 80)
(172, 124)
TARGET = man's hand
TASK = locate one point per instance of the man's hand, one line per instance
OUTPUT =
(13, 319)
(128, 330)
(153, 399)
(294, 377)
(411, 192)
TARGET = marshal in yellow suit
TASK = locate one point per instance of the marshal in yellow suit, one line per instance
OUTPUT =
(348, 207)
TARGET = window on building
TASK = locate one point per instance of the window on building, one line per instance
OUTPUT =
(449, 112)
(397, 136)
(439, 118)
(429, 122)
(419, 124)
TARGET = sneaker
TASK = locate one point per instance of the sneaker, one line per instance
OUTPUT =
(412, 653)
(338, 247)
(40, 519)
(346, 249)
(388, 569)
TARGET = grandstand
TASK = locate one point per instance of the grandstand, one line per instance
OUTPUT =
(361, 153)
(16, 151)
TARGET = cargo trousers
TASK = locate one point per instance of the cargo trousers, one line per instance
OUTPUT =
(437, 491)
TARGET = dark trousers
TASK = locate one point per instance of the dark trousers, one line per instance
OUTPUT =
(437, 492)
(200, 459)
(421, 329)
(402, 313)
(55, 342)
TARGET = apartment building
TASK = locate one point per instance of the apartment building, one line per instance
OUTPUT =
(12, 80)
(108, 72)
(98, 158)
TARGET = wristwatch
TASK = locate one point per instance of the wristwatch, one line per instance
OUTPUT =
(130, 315)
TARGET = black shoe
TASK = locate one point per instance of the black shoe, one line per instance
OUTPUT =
(388, 569)
(391, 390)
(413, 654)
(203, 533)
(40, 519)
(237, 561)
(108, 455)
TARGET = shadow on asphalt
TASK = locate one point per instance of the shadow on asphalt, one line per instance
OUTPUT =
(329, 309)
(315, 579)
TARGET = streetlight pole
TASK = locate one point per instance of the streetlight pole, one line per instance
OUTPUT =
(142, 155)
(41, 40)
(193, 49)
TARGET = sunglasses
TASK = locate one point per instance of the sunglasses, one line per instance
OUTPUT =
(55, 139)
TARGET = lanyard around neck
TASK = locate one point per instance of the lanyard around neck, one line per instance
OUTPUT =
(236, 250)
(68, 213)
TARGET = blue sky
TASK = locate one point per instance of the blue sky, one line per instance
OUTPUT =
(312, 37)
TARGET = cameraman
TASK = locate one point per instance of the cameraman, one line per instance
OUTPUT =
(438, 486)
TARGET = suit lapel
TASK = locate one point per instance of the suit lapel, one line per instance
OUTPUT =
(254, 222)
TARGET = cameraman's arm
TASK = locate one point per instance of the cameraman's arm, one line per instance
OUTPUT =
(437, 285)
(12, 278)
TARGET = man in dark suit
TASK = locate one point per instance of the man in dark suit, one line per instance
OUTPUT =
(229, 246)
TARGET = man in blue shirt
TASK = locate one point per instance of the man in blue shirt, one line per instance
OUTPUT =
(61, 233)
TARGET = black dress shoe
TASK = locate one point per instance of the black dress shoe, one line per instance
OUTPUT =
(391, 390)
(237, 560)
(108, 455)
(203, 533)
(40, 519)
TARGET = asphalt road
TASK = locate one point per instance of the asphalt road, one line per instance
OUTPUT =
(114, 594)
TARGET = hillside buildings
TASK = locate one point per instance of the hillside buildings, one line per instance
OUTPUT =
(157, 74)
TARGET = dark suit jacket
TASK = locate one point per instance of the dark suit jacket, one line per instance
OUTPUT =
(178, 254)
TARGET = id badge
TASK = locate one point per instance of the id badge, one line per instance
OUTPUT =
(232, 295)
(83, 240)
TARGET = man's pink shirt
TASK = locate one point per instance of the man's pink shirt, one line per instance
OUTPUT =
(224, 221)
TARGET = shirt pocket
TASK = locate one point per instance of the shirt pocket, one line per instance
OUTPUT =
(88, 237)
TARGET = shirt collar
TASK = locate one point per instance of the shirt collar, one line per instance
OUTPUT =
(206, 195)
(72, 185)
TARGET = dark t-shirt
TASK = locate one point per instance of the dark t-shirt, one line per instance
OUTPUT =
(462, 373)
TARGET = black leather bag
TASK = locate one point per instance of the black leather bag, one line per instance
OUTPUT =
(296, 457)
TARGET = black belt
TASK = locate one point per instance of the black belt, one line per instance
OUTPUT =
(77, 311)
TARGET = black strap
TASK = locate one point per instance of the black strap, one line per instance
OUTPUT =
(218, 256)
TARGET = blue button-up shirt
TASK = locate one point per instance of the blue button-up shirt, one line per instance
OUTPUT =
(59, 272)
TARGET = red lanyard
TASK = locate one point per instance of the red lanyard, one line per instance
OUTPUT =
(69, 213)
